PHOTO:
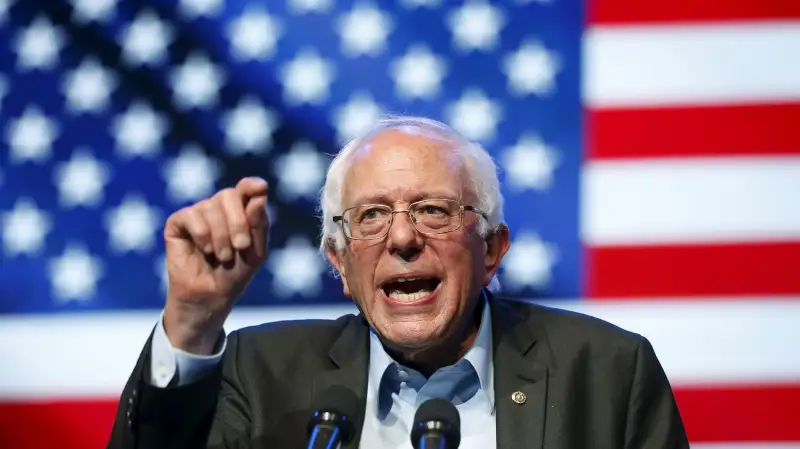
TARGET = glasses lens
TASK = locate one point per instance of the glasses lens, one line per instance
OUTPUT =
(365, 222)
(437, 216)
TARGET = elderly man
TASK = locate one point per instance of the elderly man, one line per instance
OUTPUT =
(413, 224)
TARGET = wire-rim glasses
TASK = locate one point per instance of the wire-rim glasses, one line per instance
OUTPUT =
(429, 216)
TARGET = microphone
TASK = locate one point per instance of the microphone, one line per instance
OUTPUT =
(332, 424)
(437, 425)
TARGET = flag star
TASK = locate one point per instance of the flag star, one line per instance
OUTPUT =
(356, 116)
(418, 73)
(529, 262)
(196, 83)
(86, 11)
(31, 136)
(476, 25)
(284, 263)
(474, 115)
(414, 4)
(298, 7)
(81, 180)
(75, 274)
(364, 30)
(249, 128)
(530, 164)
(139, 131)
(307, 78)
(531, 69)
(254, 34)
(300, 172)
(88, 87)
(131, 226)
(146, 39)
(39, 44)
(192, 9)
(4, 7)
(25, 228)
(191, 176)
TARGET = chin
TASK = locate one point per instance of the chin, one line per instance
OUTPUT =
(411, 335)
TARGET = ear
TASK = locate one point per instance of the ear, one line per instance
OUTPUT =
(496, 244)
(336, 259)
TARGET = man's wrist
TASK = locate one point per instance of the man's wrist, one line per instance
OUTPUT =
(198, 339)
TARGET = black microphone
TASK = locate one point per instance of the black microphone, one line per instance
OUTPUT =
(437, 425)
(332, 423)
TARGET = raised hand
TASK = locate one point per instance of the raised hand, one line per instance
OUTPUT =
(214, 248)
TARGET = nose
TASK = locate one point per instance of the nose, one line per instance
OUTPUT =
(403, 240)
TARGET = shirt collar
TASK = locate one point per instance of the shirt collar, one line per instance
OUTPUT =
(479, 355)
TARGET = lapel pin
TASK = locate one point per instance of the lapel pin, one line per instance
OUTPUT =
(518, 397)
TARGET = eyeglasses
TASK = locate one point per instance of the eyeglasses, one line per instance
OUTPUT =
(431, 216)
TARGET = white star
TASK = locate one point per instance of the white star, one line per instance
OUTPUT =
(300, 172)
(25, 228)
(249, 128)
(86, 11)
(31, 136)
(196, 83)
(132, 224)
(414, 4)
(531, 69)
(530, 164)
(476, 25)
(254, 35)
(287, 278)
(307, 78)
(364, 30)
(4, 7)
(38, 45)
(146, 39)
(529, 262)
(139, 131)
(474, 115)
(356, 116)
(298, 7)
(81, 180)
(191, 176)
(75, 274)
(87, 88)
(418, 73)
(192, 9)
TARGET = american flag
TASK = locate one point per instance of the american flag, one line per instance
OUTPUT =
(648, 155)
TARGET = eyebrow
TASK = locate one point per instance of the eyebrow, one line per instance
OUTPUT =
(416, 196)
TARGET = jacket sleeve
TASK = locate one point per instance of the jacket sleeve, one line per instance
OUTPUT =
(209, 412)
(653, 419)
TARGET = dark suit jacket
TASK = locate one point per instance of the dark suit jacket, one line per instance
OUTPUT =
(588, 384)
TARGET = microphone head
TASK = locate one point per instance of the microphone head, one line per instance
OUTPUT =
(440, 416)
(338, 406)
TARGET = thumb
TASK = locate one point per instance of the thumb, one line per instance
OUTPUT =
(256, 211)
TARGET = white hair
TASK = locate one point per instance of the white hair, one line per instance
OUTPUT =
(480, 168)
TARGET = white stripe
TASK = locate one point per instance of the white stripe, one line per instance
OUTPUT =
(691, 64)
(687, 200)
(697, 342)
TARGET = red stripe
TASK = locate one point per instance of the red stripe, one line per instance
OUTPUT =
(61, 424)
(752, 413)
(744, 413)
(638, 11)
(694, 270)
(694, 131)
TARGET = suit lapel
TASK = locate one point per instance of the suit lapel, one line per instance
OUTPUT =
(349, 356)
(521, 367)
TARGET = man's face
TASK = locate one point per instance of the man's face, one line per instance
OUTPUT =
(449, 269)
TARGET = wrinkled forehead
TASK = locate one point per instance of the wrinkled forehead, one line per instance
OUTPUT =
(399, 159)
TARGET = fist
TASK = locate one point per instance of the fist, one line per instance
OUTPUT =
(213, 250)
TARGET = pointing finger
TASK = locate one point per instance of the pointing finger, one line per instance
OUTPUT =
(252, 187)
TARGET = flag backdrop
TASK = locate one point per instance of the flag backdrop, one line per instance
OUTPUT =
(648, 154)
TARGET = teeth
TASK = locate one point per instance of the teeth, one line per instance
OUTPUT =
(400, 296)
(407, 280)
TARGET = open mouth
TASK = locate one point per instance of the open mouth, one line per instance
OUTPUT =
(410, 290)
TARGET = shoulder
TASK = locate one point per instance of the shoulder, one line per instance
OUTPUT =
(569, 331)
(308, 331)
